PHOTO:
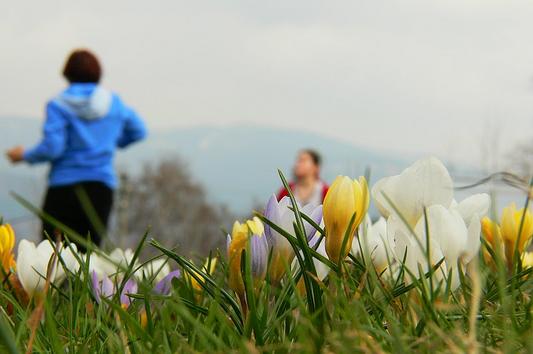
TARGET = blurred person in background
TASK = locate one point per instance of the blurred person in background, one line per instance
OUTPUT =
(84, 126)
(307, 186)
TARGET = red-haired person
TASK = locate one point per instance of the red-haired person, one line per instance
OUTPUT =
(307, 186)
(84, 126)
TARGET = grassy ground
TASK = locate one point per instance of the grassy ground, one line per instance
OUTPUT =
(354, 309)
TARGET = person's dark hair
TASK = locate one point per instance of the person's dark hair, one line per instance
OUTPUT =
(315, 156)
(82, 66)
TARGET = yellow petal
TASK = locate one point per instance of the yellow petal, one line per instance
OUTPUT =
(364, 200)
(527, 260)
(492, 234)
(7, 243)
(345, 198)
(508, 226)
(212, 264)
(516, 227)
(524, 219)
(491, 231)
(256, 226)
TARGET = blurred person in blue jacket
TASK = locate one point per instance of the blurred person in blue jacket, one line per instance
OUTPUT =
(85, 124)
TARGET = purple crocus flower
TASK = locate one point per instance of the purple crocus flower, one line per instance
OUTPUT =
(129, 288)
(280, 214)
(106, 289)
(164, 286)
(102, 288)
(259, 252)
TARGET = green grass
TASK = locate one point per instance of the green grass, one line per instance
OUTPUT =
(358, 313)
(353, 310)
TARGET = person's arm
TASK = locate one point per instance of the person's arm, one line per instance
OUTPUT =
(54, 139)
(134, 130)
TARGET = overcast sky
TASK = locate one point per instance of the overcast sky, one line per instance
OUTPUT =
(407, 76)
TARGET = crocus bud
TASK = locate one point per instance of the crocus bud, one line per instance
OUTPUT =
(247, 237)
(280, 214)
(512, 234)
(7, 243)
(345, 198)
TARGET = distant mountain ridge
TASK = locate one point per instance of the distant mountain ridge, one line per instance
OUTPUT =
(237, 164)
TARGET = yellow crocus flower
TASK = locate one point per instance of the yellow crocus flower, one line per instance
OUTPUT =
(493, 236)
(345, 198)
(512, 235)
(237, 243)
(208, 268)
(508, 237)
(248, 236)
(7, 243)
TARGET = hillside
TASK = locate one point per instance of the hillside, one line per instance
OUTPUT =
(237, 164)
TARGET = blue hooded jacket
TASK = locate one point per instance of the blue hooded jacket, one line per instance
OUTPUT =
(84, 126)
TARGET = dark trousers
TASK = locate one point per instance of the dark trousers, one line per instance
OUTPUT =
(83, 207)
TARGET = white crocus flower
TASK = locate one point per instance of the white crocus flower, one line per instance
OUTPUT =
(374, 244)
(112, 265)
(101, 266)
(122, 258)
(473, 209)
(454, 228)
(322, 270)
(412, 252)
(156, 269)
(33, 261)
(449, 238)
(426, 182)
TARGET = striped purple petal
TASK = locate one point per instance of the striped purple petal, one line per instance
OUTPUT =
(279, 214)
(259, 249)
(271, 213)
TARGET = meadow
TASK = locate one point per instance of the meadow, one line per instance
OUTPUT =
(432, 274)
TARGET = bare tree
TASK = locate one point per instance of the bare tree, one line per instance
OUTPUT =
(165, 198)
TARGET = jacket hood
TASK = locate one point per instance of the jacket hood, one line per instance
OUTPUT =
(87, 101)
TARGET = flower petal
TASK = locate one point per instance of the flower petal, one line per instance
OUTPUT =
(474, 241)
(32, 265)
(446, 228)
(426, 182)
(259, 256)
(164, 286)
(315, 213)
(129, 288)
(477, 204)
